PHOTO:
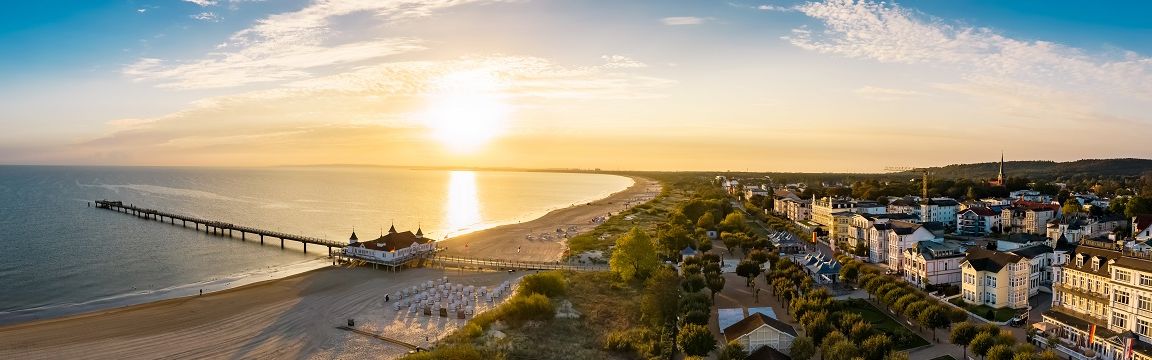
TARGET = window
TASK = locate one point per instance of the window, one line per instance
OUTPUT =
(1119, 320)
(989, 281)
(1122, 276)
(1144, 303)
(1079, 260)
(969, 279)
(990, 297)
(1121, 297)
(1145, 280)
(1142, 327)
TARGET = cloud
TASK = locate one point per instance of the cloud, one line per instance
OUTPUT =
(1021, 75)
(682, 20)
(203, 3)
(620, 61)
(206, 16)
(776, 8)
(291, 45)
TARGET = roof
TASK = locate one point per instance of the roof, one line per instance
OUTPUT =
(1036, 206)
(932, 250)
(943, 202)
(1141, 222)
(755, 321)
(903, 227)
(767, 353)
(1032, 251)
(353, 237)
(393, 241)
(688, 251)
(988, 260)
(1109, 251)
(903, 202)
(1023, 238)
(982, 211)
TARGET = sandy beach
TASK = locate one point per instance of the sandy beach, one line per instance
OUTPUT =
(510, 242)
(298, 316)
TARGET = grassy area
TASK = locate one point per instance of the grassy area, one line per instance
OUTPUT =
(902, 337)
(1001, 314)
(646, 216)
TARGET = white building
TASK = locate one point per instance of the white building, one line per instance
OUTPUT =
(391, 249)
(942, 210)
(902, 235)
(933, 263)
(758, 330)
(977, 221)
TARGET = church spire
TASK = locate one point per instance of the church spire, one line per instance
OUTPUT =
(392, 229)
(1000, 176)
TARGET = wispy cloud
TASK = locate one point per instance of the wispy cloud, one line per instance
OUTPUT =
(891, 34)
(620, 61)
(885, 94)
(204, 2)
(206, 16)
(682, 20)
(291, 45)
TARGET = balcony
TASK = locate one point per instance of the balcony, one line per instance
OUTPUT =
(1095, 296)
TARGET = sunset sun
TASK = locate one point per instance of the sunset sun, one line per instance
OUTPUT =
(465, 110)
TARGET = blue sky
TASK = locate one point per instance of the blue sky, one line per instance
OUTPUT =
(231, 82)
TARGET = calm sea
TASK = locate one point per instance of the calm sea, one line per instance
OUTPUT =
(63, 257)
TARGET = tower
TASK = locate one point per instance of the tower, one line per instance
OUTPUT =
(353, 239)
(419, 233)
(392, 229)
(1000, 176)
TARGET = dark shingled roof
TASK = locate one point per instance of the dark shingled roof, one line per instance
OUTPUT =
(767, 353)
(943, 202)
(982, 211)
(1032, 251)
(753, 322)
(903, 227)
(988, 260)
(393, 241)
(1141, 222)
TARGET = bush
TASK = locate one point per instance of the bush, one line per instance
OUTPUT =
(524, 308)
(640, 340)
(455, 352)
(550, 284)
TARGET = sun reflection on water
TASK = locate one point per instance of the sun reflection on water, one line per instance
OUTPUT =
(463, 206)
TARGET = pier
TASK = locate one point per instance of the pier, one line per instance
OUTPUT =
(498, 264)
(218, 228)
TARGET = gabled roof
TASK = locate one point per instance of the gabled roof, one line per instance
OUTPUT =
(903, 227)
(988, 260)
(688, 251)
(393, 241)
(767, 353)
(943, 202)
(1141, 222)
(753, 322)
(982, 211)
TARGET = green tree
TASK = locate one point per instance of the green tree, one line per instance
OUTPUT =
(875, 347)
(962, 335)
(981, 343)
(934, 317)
(999, 352)
(844, 350)
(897, 355)
(749, 270)
(1138, 205)
(715, 284)
(734, 350)
(734, 222)
(696, 340)
(661, 292)
(1046, 355)
(706, 222)
(730, 241)
(634, 256)
(1071, 207)
(694, 283)
(850, 272)
(802, 348)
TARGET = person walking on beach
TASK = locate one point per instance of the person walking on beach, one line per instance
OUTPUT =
(385, 297)
(201, 291)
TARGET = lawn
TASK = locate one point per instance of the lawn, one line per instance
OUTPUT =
(1001, 314)
(902, 337)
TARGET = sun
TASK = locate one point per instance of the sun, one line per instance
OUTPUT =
(466, 110)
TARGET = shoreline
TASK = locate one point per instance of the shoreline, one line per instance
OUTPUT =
(265, 310)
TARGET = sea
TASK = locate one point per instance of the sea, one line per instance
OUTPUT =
(63, 256)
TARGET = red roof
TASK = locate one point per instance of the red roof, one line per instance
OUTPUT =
(1037, 206)
(983, 211)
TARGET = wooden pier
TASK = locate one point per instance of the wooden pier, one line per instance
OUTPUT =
(219, 228)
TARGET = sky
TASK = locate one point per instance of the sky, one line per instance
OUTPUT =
(818, 86)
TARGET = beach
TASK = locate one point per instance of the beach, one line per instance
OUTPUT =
(299, 316)
(510, 242)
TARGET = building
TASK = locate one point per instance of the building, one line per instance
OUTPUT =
(1142, 227)
(941, 210)
(906, 205)
(1103, 298)
(871, 231)
(1027, 217)
(933, 263)
(1075, 228)
(1029, 195)
(994, 278)
(903, 235)
(823, 211)
(793, 209)
(977, 221)
(758, 330)
(393, 249)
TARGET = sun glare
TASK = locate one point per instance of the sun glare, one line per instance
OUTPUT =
(466, 110)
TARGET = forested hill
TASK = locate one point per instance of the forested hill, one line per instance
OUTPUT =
(1090, 168)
